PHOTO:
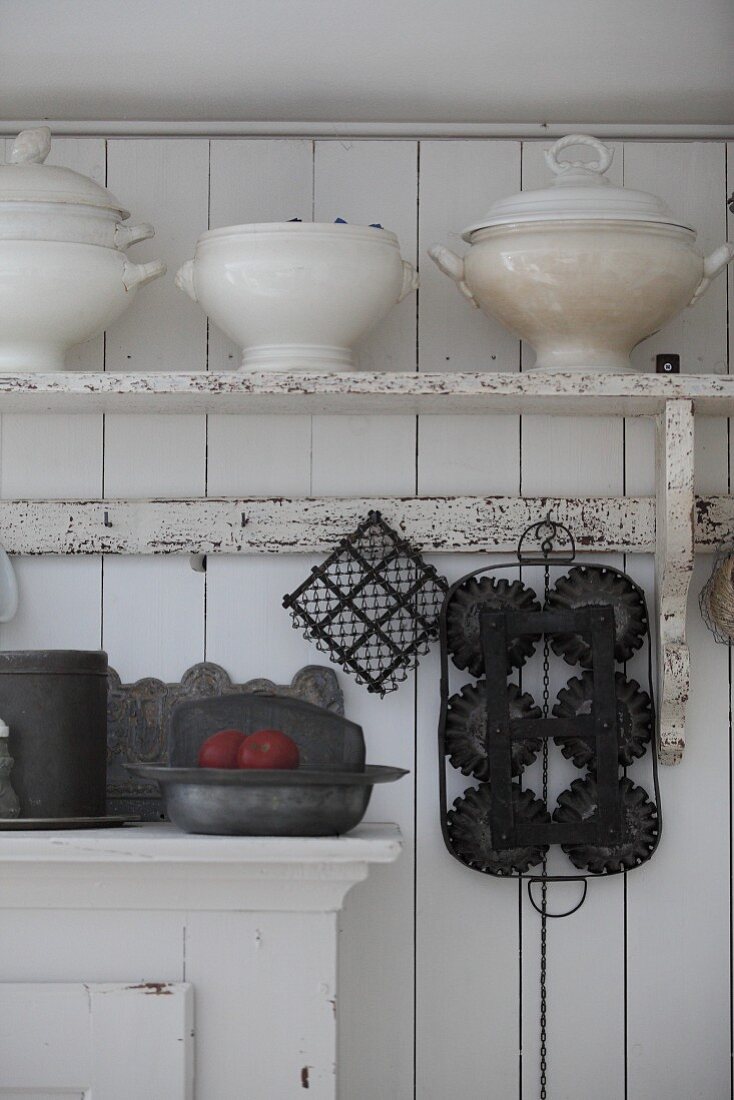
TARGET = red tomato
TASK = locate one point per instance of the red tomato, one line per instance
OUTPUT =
(268, 749)
(220, 750)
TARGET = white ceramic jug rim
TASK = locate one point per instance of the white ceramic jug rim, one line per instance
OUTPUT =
(331, 229)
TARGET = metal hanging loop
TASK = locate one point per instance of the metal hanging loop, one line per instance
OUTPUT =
(567, 912)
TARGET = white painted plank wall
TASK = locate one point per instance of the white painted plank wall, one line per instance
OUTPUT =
(562, 454)
(432, 955)
(688, 867)
(365, 183)
(154, 616)
(467, 928)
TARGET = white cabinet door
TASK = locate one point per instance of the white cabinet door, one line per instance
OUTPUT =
(96, 1042)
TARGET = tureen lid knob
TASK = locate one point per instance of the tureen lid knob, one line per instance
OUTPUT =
(31, 146)
(578, 168)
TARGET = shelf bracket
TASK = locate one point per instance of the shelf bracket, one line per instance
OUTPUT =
(674, 540)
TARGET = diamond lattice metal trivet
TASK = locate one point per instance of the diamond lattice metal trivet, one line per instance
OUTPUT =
(372, 605)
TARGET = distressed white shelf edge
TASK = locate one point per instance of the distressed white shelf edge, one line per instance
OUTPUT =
(388, 392)
(672, 400)
(284, 525)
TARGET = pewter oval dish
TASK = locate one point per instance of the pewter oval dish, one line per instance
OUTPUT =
(305, 801)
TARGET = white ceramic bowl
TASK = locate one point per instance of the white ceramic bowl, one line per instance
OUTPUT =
(64, 275)
(582, 270)
(297, 295)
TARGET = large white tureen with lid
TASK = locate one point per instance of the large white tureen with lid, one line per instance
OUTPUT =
(64, 275)
(583, 270)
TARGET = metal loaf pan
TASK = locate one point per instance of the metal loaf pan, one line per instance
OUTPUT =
(322, 736)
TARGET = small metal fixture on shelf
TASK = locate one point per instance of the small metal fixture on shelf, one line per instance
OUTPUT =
(667, 364)
(373, 605)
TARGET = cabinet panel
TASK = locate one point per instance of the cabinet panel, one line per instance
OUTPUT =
(98, 1042)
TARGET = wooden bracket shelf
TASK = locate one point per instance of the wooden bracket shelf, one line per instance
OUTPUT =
(671, 525)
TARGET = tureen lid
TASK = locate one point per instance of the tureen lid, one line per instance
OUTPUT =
(578, 192)
(27, 179)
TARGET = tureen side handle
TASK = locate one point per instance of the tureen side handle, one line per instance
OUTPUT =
(453, 266)
(125, 235)
(411, 280)
(135, 275)
(184, 280)
(713, 265)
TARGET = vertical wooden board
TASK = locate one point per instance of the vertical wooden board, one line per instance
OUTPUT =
(691, 177)
(165, 182)
(363, 182)
(677, 984)
(570, 444)
(154, 609)
(459, 180)
(729, 236)
(575, 457)
(248, 632)
(46, 456)
(678, 931)
(467, 967)
(368, 182)
(467, 933)
(265, 1005)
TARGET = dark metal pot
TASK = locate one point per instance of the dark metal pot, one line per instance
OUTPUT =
(55, 702)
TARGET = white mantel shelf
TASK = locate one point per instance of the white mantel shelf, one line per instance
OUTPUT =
(158, 866)
(395, 392)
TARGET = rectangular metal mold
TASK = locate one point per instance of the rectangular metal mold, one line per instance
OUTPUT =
(597, 624)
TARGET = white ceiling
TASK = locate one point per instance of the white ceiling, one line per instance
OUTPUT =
(665, 61)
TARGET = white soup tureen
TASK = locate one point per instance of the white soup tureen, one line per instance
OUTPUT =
(583, 270)
(64, 275)
(297, 295)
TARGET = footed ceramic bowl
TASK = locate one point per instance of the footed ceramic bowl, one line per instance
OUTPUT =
(297, 295)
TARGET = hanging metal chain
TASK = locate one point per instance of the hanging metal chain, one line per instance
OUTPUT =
(544, 884)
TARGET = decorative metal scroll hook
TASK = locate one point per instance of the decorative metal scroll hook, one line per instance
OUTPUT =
(550, 537)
